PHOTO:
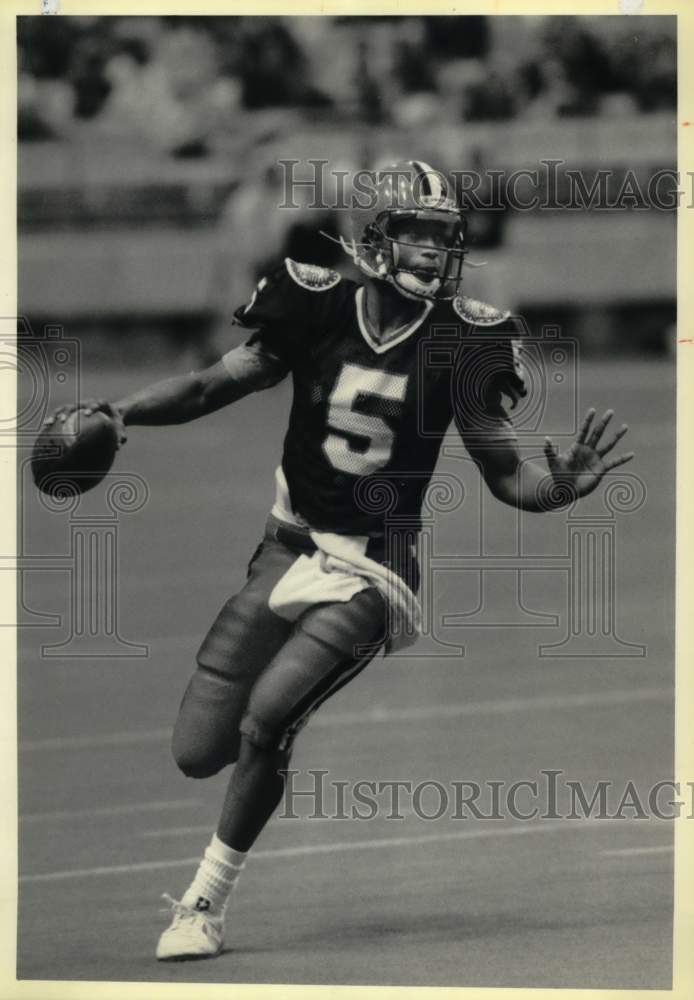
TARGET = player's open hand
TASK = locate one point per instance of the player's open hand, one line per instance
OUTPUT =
(92, 406)
(585, 463)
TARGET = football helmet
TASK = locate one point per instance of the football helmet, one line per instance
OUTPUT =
(407, 193)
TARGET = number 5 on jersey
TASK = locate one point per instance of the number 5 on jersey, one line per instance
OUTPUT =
(361, 441)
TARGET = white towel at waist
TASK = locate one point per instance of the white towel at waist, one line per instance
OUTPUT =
(337, 571)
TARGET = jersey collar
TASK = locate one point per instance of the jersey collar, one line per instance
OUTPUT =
(406, 332)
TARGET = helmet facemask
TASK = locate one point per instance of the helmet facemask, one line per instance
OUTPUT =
(437, 278)
(386, 244)
(387, 252)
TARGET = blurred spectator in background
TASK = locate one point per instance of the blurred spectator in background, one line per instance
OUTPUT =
(128, 105)
(331, 52)
(176, 97)
(118, 96)
(273, 68)
(489, 97)
(413, 60)
(486, 213)
(577, 56)
(564, 73)
(414, 75)
(453, 79)
(369, 106)
(57, 64)
(577, 71)
(645, 67)
(44, 106)
(182, 83)
(87, 77)
(453, 38)
(253, 237)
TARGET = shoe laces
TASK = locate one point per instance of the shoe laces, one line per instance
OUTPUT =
(182, 911)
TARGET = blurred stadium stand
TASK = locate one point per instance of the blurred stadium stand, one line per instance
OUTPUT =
(147, 194)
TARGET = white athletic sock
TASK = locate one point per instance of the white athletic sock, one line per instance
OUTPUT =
(215, 878)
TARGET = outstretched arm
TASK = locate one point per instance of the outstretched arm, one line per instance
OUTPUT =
(568, 476)
(177, 400)
(187, 397)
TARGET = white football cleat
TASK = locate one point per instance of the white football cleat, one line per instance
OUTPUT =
(192, 934)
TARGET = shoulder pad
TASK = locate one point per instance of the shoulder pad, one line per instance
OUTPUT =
(311, 276)
(478, 313)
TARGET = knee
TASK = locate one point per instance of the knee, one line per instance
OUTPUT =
(196, 766)
(263, 733)
(198, 761)
(275, 757)
(205, 737)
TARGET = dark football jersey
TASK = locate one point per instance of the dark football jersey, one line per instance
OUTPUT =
(367, 419)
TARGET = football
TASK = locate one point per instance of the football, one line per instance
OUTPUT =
(73, 456)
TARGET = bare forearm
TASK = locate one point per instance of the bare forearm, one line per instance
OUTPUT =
(531, 487)
(172, 401)
(177, 400)
(567, 476)
(182, 398)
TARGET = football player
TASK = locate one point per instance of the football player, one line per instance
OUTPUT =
(354, 471)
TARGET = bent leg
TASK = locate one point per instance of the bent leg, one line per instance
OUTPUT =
(306, 671)
(330, 645)
(244, 638)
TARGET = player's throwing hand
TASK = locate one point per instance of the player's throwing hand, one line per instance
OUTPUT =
(584, 464)
(92, 406)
